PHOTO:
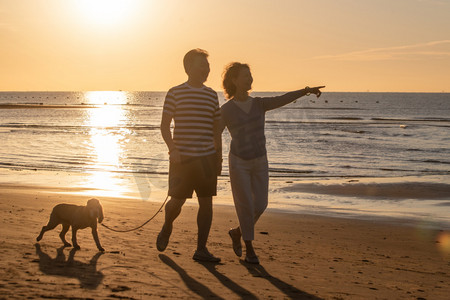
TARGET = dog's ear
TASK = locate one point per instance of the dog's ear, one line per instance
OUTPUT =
(95, 209)
(100, 213)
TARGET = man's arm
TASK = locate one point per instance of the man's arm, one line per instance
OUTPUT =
(218, 129)
(167, 137)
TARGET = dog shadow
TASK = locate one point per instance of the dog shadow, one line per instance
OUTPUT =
(289, 290)
(86, 273)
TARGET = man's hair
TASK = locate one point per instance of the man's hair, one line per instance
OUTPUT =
(231, 72)
(189, 58)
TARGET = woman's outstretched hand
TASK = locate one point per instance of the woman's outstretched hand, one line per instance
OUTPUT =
(314, 90)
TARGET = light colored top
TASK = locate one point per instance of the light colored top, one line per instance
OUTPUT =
(244, 105)
(247, 128)
(194, 111)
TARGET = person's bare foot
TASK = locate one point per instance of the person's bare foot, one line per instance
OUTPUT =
(235, 236)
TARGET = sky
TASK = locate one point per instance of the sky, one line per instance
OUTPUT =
(138, 45)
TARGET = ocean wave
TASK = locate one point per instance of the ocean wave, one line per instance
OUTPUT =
(431, 161)
(346, 118)
(45, 106)
(391, 191)
(412, 120)
(324, 108)
(289, 171)
(77, 127)
(415, 150)
(78, 167)
(42, 105)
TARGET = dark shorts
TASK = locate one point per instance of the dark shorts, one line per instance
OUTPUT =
(197, 174)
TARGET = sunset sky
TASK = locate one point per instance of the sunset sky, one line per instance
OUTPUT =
(347, 45)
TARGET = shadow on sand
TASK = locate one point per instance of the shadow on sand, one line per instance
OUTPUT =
(289, 290)
(86, 273)
(195, 286)
(228, 283)
(203, 291)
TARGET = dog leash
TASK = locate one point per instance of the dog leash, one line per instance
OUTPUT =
(128, 230)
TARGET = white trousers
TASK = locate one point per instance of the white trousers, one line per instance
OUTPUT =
(250, 186)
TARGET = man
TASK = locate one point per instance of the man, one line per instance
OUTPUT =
(195, 149)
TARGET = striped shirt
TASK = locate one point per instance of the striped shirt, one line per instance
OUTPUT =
(194, 111)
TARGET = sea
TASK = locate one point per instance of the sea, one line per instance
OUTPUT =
(110, 141)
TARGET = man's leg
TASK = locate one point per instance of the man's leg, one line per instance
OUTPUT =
(173, 210)
(204, 220)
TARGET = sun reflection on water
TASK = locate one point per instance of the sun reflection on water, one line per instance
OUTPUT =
(107, 136)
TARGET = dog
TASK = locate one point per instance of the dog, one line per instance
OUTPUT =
(77, 216)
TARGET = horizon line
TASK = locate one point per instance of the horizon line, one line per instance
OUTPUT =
(218, 91)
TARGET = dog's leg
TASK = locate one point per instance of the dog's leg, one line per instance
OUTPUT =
(97, 241)
(74, 238)
(62, 235)
(52, 223)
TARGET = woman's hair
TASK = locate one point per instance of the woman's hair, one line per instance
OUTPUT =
(190, 57)
(231, 72)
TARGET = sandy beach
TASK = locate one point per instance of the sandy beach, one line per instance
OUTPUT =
(348, 101)
(302, 256)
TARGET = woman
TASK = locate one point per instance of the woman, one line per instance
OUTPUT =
(244, 116)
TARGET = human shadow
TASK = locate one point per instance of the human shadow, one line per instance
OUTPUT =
(195, 286)
(86, 273)
(227, 282)
(289, 290)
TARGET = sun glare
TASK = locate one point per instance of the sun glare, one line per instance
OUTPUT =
(106, 12)
(107, 138)
(106, 97)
